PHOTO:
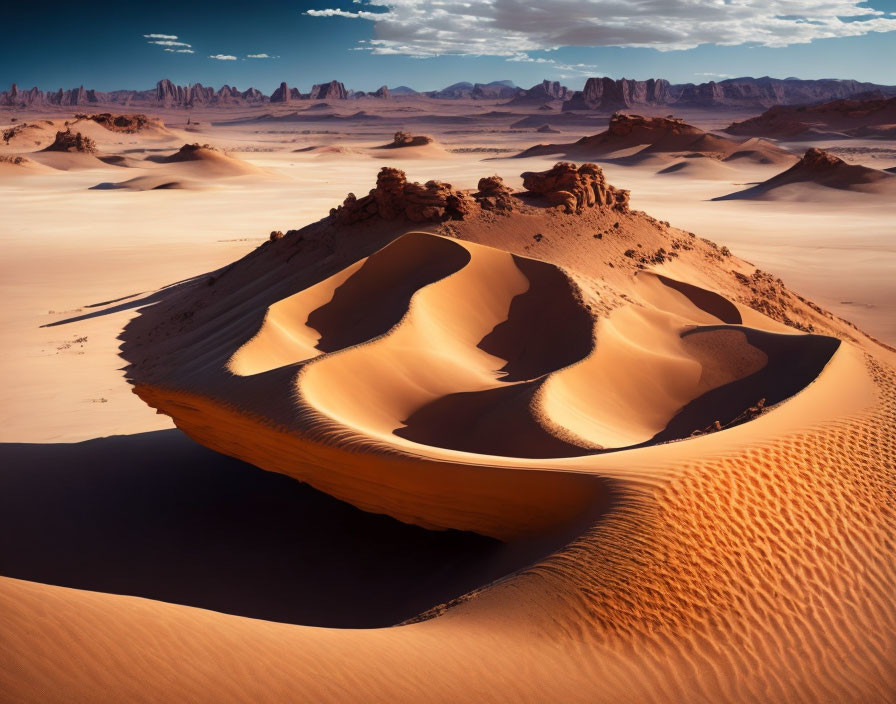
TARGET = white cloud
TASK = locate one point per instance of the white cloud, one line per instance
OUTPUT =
(362, 14)
(574, 69)
(260, 56)
(426, 28)
(710, 74)
(222, 57)
(180, 51)
(160, 36)
(168, 42)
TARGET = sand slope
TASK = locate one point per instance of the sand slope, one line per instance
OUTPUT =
(636, 138)
(813, 177)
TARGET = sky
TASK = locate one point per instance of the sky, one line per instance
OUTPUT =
(429, 44)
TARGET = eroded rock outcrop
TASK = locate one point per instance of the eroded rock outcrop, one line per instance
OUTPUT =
(191, 152)
(127, 124)
(873, 117)
(568, 185)
(819, 160)
(406, 139)
(69, 141)
(607, 94)
(394, 197)
(282, 94)
(626, 124)
(334, 90)
(494, 194)
(575, 188)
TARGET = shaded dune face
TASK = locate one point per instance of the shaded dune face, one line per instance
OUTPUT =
(375, 298)
(793, 363)
(433, 342)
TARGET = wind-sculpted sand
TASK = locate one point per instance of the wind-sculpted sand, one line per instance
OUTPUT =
(681, 469)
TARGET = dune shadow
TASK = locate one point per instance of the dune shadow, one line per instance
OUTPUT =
(497, 421)
(547, 326)
(156, 515)
(376, 297)
(794, 362)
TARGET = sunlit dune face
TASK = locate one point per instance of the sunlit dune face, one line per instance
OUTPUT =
(441, 343)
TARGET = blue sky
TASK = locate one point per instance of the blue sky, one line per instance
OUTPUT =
(428, 44)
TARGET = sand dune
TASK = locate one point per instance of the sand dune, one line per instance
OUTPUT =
(203, 161)
(635, 138)
(27, 136)
(405, 145)
(15, 166)
(330, 151)
(149, 182)
(815, 176)
(698, 166)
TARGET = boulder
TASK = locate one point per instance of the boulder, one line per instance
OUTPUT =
(69, 141)
(395, 197)
(575, 188)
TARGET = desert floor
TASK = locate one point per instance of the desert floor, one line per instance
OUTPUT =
(129, 511)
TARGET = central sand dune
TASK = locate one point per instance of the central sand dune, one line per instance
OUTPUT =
(516, 365)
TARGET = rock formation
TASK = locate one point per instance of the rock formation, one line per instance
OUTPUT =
(873, 117)
(282, 94)
(819, 168)
(494, 194)
(189, 152)
(495, 90)
(607, 94)
(169, 94)
(660, 135)
(575, 188)
(127, 124)
(598, 94)
(406, 139)
(765, 91)
(334, 90)
(394, 197)
(543, 92)
(69, 141)
(252, 95)
(381, 92)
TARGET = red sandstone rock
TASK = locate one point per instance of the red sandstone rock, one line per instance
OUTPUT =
(575, 188)
(69, 141)
(395, 197)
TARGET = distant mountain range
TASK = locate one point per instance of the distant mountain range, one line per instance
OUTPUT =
(599, 94)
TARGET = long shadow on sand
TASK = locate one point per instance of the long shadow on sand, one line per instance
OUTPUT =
(158, 516)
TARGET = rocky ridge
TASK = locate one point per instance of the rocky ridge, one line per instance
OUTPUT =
(573, 188)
